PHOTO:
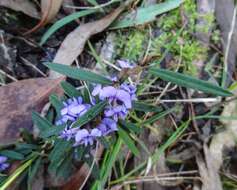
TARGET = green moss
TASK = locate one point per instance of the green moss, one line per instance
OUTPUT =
(216, 36)
(131, 45)
(192, 49)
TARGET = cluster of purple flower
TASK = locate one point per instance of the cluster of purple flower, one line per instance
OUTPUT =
(3, 164)
(119, 102)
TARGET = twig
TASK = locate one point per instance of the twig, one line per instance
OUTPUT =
(193, 100)
(95, 7)
(28, 63)
(91, 168)
(156, 179)
(225, 69)
(9, 76)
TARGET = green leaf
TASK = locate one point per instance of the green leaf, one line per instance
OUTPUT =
(146, 14)
(54, 130)
(20, 146)
(128, 141)
(78, 74)
(80, 152)
(93, 2)
(12, 154)
(61, 159)
(57, 104)
(45, 127)
(57, 25)
(16, 173)
(33, 171)
(131, 126)
(42, 123)
(140, 106)
(189, 82)
(107, 165)
(61, 147)
(66, 167)
(155, 157)
(90, 114)
(70, 90)
(156, 117)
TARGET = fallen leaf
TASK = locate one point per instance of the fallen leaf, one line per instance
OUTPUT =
(49, 9)
(146, 14)
(74, 43)
(208, 171)
(227, 138)
(18, 100)
(25, 6)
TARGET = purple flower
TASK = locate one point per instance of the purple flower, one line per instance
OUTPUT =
(131, 89)
(97, 90)
(85, 137)
(124, 64)
(115, 95)
(69, 133)
(113, 78)
(120, 99)
(116, 112)
(3, 164)
(107, 126)
(73, 108)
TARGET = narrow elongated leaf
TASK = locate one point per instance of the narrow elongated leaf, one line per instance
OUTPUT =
(42, 123)
(45, 127)
(54, 130)
(33, 170)
(155, 157)
(93, 2)
(79, 74)
(12, 154)
(16, 173)
(146, 14)
(131, 126)
(140, 106)
(59, 24)
(21, 146)
(90, 114)
(57, 104)
(189, 82)
(107, 165)
(70, 90)
(60, 148)
(66, 167)
(128, 141)
(156, 117)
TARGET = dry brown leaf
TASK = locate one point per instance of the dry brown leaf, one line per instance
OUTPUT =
(18, 100)
(208, 171)
(24, 6)
(227, 138)
(74, 43)
(49, 9)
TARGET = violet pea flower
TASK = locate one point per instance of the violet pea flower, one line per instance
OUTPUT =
(107, 126)
(3, 164)
(85, 137)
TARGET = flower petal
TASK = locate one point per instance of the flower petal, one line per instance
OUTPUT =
(108, 91)
(81, 134)
(97, 90)
(125, 98)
